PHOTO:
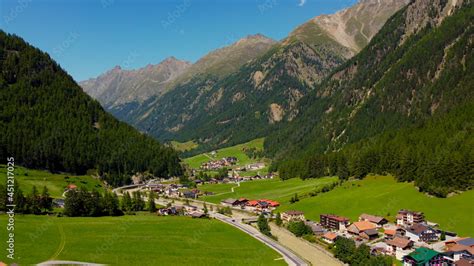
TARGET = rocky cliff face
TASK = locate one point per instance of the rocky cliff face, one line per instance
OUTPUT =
(351, 28)
(119, 86)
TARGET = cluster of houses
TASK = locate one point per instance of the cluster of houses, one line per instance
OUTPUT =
(218, 164)
(411, 239)
(234, 178)
(187, 210)
(252, 167)
(176, 190)
(258, 206)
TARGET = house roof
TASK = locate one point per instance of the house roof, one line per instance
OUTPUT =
(390, 232)
(336, 217)
(71, 186)
(418, 228)
(399, 242)
(271, 202)
(293, 212)
(372, 218)
(371, 232)
(464, 262)
(252, 202)
(330, 235)
(423, 255)
(315, 227)
(466, 241)
(364, 225)
(459, 247)
(230, 201)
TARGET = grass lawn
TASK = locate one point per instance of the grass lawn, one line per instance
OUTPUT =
(27, 178)
(382, 195)
(236, 151)
(184, 146)
(132, 240)
(273, 189)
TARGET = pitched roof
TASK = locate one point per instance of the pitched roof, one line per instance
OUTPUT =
(252, 202)
(371, 218)
(418, 228)
(330, 235)
(371, 232)
(364, 225)
(399, 242)
(230, 201)
(464, 262)
(459, 247)
(423, 255)
(466, 241)
(390, 232)
(336, 217)
(293, 212)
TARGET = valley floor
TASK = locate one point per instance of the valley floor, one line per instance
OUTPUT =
(376, 195)
(126, 240)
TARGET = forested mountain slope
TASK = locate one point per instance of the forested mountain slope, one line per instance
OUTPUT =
(255, 100)
(133, 95)
(415, 75)
(48, 122)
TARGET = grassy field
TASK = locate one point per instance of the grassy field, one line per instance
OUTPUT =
(273, 189)
(132, 240)
(236, 151)
(27, 178)
(184, 146)
(381, 195)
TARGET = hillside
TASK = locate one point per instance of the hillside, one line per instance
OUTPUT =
(56, 183)
(350, 29)
(255, 100)
(48, 122)
(118, 86)
(132, 95)
(415, 75)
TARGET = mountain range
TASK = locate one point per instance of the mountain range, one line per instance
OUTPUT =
(245, 90)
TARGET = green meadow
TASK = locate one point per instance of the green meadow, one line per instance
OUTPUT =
(274, 189)
(132, 240)
(382, 195)
(56, 183)
(377, 195)
(236, 151)
(184, 146)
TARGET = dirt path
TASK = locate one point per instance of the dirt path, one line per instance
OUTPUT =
(311, 253)
(62, 242)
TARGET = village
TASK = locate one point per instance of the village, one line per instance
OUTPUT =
(411, 239)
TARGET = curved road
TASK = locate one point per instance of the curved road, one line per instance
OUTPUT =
(290, 257)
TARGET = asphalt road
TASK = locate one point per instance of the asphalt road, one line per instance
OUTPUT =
(290, 257)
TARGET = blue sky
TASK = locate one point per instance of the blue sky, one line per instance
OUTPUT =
(89, 37)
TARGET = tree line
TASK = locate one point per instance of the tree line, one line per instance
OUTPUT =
(48, 122)
(82, 202)
(32, 203)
